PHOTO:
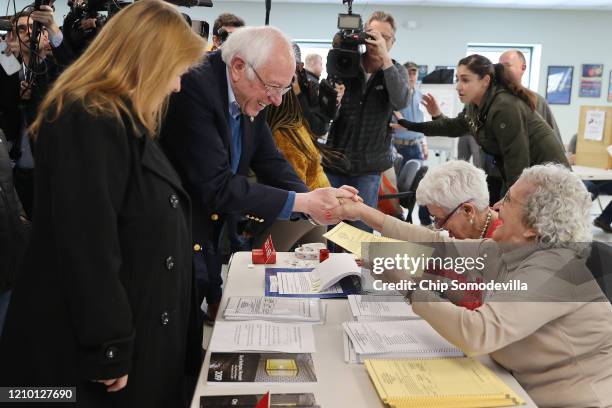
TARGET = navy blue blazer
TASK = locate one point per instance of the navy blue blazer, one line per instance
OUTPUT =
(197, 138)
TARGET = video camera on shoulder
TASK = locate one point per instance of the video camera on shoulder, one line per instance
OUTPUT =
(343, 60)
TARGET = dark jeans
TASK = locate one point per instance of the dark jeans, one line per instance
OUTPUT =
(409, 152)
(496, 189)
(367, 185)
(598, 187)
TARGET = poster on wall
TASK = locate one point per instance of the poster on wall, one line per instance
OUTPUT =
(592, 70)
(590, 88)
(595, 123)
(559, 85)
(610, 88)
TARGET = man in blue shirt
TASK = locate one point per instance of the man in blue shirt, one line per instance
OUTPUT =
(411, 145)
(22, 91)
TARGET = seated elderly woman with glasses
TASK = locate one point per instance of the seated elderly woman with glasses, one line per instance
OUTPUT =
(554, 333)
(456, 195)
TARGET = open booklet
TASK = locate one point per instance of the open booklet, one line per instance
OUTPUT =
(326, 280)
(394, 339)
(274, 309)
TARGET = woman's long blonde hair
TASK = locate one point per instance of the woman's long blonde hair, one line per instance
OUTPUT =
(128, 67)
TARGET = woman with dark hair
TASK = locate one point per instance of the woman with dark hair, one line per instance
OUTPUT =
(500, 114)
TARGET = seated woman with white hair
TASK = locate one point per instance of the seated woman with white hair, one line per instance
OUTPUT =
(457, 197)
(557, 341)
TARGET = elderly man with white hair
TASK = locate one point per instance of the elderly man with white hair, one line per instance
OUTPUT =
(213, 135)
(556, 336)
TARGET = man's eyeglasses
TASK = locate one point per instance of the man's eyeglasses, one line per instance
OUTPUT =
(272, 89)
(439, 224)
(24, 28)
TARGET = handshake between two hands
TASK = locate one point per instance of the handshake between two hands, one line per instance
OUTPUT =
(329, 205)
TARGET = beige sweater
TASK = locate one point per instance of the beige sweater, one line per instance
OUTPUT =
(559, 351)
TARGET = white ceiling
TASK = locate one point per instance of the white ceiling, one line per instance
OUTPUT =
(532, 4)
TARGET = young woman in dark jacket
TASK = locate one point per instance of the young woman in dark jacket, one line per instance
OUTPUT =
(501, 116)
(105, 300)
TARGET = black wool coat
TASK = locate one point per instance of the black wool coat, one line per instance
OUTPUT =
(107, 283)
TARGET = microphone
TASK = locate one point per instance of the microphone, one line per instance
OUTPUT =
(268, 7)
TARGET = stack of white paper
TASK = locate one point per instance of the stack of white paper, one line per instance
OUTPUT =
(379, 308)
(259, 335)
(274, 309)
(394, 339)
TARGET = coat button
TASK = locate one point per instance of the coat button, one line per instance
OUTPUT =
(111, 353)
(165, 319)
(174, 201)
(214, 217)
(197, 248)
(169, 263)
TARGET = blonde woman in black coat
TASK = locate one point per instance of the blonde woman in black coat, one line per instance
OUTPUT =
(105, 297)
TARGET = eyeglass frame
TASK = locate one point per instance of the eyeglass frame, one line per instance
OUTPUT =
(273, 90)
(24, 28)
(27, 29)
(440, 226)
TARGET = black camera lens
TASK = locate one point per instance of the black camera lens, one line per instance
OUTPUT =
(344, 62)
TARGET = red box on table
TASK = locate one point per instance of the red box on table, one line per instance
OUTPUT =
(265, 255)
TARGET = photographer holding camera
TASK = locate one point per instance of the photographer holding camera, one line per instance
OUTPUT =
(22, 91)
(81, 25)
(375, 87)
(318, 112)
